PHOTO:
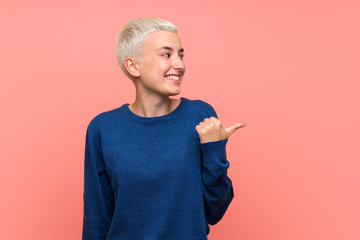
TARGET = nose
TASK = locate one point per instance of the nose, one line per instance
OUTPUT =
(178, 63)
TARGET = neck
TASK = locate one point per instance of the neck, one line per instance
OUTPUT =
(152, 106)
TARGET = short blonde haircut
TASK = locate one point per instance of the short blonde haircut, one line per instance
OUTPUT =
(129, 38)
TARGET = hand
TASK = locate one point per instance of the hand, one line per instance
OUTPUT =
(211, 130)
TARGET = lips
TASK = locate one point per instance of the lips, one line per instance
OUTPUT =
(175, 77)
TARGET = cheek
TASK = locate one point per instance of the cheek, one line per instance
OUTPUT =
(164, 67)
(149, 67)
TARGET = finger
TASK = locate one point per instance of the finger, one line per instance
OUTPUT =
(207, 120)
(233, 128)
(203, 124)
(198, 128)
(216, 121)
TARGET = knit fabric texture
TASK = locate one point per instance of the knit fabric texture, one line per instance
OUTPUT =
(150, 178)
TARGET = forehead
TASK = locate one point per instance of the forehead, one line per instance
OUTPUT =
(159, 39)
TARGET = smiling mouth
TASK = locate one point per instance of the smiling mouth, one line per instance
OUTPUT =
(173, 77)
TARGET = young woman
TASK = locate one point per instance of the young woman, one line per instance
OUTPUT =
(155, 169)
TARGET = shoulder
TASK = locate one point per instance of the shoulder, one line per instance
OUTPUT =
(202, 107)
(103, 119)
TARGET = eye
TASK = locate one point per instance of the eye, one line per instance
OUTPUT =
(182, 56)
(166, 55)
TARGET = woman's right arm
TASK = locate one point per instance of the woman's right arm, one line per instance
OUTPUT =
(98, 195)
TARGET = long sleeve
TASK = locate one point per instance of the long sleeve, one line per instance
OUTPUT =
(217, 187)
(148, 178)
(98, 195)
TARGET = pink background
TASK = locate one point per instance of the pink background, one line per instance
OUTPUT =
(288, 69)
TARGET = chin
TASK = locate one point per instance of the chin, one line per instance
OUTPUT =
(174, 94)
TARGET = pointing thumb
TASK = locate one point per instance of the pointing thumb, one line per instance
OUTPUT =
(233, 128)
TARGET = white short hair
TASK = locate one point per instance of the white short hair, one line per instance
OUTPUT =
(129, 38)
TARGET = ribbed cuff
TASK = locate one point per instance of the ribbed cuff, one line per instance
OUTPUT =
(214, 152)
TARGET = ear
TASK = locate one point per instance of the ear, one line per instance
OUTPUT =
(132, 67)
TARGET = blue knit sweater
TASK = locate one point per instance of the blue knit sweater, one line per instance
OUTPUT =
(150, 178)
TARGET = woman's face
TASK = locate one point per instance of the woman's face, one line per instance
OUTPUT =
(161, 65)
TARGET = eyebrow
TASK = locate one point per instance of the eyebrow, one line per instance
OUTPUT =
(169, 48)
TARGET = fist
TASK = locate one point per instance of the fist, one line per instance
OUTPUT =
(211, 130)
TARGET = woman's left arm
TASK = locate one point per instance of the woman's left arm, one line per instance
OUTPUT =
(217, 186)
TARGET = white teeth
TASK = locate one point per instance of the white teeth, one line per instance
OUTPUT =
(173, 77)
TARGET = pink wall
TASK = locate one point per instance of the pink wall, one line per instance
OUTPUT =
(288, 69)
